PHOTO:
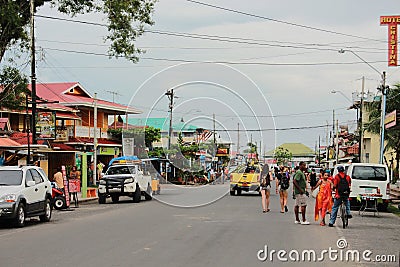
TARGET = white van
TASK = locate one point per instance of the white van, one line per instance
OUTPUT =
(370, 179)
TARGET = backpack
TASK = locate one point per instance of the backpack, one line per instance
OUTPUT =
(343, 186)
(265, 180)
(284, 181)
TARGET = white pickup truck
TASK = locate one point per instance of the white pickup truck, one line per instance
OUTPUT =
(125, 180)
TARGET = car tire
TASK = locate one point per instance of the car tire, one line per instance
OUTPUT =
(46, 217)
(137, 195)
(19, 220)
(102, 199)
(149, 193)
(115, 198)
(232, 192)
(59, 203)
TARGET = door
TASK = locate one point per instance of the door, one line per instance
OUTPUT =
(30, 194)
(40, 190)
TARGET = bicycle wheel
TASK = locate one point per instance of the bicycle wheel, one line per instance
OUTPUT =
(343, 215)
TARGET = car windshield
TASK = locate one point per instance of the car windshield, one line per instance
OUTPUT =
(10, 177)
(369, 173)
(121, 170)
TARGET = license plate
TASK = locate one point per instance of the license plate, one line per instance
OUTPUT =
(368, 190)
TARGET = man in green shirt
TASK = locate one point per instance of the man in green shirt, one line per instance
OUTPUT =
(299, 182)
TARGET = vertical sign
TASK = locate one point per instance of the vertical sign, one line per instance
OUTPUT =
(391, 22)
(66, 189)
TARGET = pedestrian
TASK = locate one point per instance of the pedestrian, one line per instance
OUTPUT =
(342, 184)
(321, 173)
(265, 185)
(282, 182)
(323, 201)
(212, 175)
(58, 178)
(313, 178)
(100, 167)
(74, 174)
(300, 191)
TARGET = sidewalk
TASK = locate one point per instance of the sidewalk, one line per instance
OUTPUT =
(84, 200)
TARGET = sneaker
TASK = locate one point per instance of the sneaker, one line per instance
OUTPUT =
(305, 223)
(286, 209)
(330, 225)
(296, 222)
(349, 216)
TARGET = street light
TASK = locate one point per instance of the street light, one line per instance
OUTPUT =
(340, 92)
(383, 88)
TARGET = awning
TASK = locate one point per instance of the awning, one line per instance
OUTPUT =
(6, 142)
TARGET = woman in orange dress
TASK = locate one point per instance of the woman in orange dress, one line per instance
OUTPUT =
(323, 202)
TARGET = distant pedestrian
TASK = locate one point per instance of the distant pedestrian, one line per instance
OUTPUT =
(282, 182)
(75, 174)
(323, 201)
(313, 178)
(100, 167)
(300, 191)
(265, 185)
(58, 178)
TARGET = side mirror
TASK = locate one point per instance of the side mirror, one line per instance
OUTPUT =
(30, 183)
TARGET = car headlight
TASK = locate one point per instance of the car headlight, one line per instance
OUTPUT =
(8, 198)
(128, 181)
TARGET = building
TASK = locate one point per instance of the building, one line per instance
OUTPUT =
(300, 152)
(74, 127)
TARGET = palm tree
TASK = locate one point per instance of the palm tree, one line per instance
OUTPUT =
(392, 135)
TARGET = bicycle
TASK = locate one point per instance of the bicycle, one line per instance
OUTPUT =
(343, 213)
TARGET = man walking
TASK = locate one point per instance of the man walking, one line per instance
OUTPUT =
(299, 182)
(342, 184)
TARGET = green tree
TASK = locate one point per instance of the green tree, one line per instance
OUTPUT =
(126, 20)
(282, 155)
(14, 89)
(392, 135)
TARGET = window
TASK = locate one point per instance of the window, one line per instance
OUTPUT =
(36, 177)
(10, 177)
(373, 173)
(28, 177)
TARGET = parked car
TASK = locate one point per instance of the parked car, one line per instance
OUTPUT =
(368, 179)
(25, 191)
(126, 179)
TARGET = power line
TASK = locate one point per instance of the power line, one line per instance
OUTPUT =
(229, 39)
(219, 62)
(281, 21)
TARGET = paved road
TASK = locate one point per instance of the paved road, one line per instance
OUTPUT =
(228, 232)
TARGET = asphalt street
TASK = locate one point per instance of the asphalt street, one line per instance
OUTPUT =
(229, 231)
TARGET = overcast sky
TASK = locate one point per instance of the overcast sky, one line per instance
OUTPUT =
(276, 69)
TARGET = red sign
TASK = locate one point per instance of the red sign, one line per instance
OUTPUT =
(74, 185)
(391, 22)
(64, 173)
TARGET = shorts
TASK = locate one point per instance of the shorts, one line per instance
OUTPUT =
(301, 200)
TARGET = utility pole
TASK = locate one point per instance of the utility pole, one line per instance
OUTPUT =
(33, 71)
(214, 128)
(170, 94)
(360, 143)
(383, 114)
(28, 158)
(238, 145)
(327, 141)
(95, 140)
(337, 142)
(319, 150)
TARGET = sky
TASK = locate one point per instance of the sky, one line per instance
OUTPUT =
(277, 73)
